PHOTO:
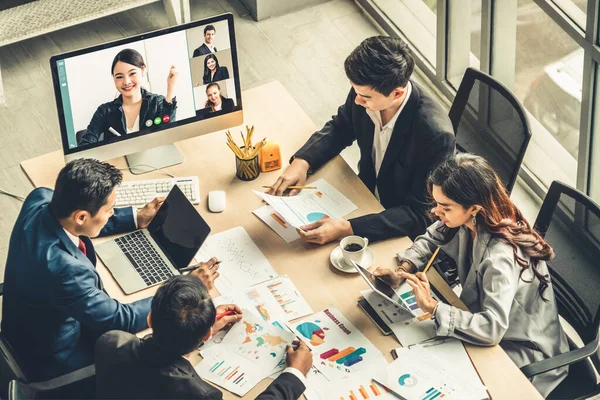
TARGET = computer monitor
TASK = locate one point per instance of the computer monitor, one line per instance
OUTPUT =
(137, 96)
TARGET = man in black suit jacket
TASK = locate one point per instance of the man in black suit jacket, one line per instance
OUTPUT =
(157, 366)
(402, 133)
(207, 47)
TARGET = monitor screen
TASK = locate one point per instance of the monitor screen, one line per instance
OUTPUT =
(143, 85)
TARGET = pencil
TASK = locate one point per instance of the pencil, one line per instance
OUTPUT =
(193, 267)
(431, 260)
(293, 187)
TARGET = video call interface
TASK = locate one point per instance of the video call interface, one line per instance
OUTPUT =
(147, 85)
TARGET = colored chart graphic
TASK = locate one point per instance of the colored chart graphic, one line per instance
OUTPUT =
(312, 332)
(315, 216)
(407, 380)
(431, 394)
(283, 298)
(252, 294)
(348, 357)
(228, 372)
(410, 300)
(365, 390)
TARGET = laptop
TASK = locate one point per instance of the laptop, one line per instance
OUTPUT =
(150, 256)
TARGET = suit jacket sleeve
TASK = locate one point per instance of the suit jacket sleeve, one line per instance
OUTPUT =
(285, 387)
(96, 127)
(76, 294)
(121, 221)
(196, 53)
(336, 135)
(410, 218)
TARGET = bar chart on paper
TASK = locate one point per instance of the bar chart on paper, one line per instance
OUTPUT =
(229, 372)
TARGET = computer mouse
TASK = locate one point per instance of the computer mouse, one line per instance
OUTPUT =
(216, 201)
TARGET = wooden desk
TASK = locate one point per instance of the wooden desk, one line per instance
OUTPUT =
(308, 265)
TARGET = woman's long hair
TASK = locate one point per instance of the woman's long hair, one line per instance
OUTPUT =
(128, 56)
(469, 180)
(210, 104)
(206, 76)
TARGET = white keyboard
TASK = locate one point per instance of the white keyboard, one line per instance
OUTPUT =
(139, 193)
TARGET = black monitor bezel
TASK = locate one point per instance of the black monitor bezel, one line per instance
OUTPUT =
(58, 96)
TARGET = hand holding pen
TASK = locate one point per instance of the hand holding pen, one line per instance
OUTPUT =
(227, 314)
(207, 272)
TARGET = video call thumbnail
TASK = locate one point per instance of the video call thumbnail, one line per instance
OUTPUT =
(145, 86)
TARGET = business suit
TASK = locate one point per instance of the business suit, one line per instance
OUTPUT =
(422, 138)
(127, 367)
(203, 50)
(54, 306)
(226, 106)
(504, 308)
(221, 74)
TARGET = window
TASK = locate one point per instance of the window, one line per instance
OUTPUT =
(574, 9)
(464, 45)
(548, 81)
(417, 21)
(595, 150)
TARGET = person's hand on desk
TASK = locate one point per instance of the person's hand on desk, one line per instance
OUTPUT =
(294, 175)
(299, 356)
(227, 315)
(325, 230)
(422, 290)
(207, 272)
(145, 215)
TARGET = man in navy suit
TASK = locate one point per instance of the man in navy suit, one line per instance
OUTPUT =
(403, 134)
(54, 306)
(207, 47)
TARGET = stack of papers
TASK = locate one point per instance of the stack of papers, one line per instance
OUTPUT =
(286, 213)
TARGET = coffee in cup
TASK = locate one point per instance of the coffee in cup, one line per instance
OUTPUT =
(353, 249)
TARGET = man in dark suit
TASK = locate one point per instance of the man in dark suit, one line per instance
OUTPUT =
(207, 47)
(402, 133)
(54, 306)
(157, 366)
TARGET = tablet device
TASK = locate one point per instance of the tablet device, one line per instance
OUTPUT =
(381, 287)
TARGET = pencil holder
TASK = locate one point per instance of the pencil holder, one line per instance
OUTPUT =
(247, 169)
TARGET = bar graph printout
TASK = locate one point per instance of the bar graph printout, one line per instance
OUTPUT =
(338, 347)
(247, 354)
(358, 386)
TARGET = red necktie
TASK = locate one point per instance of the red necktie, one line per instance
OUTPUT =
(81, 247)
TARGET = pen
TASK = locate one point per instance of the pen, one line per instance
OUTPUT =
(293, 187)
(113, 131)
(193, 267)
(224, 313)
(431, 260)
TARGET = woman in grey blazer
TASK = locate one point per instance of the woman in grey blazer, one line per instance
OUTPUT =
(500, 263)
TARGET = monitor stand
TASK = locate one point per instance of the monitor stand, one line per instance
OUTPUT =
(154, 158)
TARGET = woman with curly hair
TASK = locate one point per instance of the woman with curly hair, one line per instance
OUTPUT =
(501, 264)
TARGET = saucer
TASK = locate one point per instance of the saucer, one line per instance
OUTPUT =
(337, 260)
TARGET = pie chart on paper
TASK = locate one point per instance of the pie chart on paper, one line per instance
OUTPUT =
(407, 380)
(315, 216)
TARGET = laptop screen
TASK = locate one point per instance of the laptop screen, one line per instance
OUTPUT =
(178, 229)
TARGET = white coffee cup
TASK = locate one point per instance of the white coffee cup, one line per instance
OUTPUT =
(356, 255)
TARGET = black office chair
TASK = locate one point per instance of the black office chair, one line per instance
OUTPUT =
(80, 384)
(10, 367)
(489, 121)
(570, 222)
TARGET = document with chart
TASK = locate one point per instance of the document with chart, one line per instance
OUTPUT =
(249, 352)
(310, 205)
(338, 347)
(242, 262)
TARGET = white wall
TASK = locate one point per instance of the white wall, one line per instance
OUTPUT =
(195, 37)
(90, 81)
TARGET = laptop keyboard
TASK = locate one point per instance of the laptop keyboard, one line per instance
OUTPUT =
(146, 261)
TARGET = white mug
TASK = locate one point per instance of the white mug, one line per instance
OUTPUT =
(356, 255)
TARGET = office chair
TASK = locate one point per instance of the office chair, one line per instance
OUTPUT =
(570, 222)
(10, 368)
(489, 121)
(80, 384)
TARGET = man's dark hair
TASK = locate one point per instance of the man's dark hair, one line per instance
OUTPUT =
(209, 28)
(83, 184)
(182, 314)
(381, 62)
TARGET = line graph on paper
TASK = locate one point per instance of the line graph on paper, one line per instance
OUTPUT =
(242, 262)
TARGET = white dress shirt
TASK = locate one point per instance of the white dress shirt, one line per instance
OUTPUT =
(136, 125)
(383, 134)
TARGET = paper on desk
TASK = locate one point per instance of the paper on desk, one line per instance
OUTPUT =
(242, 262)
(419, 374)
(406, 327)
(359, 385)
(247, 354)
(339, 348)
(311, 205)
(269, 216)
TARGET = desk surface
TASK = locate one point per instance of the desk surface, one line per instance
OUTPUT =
(308, 265)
